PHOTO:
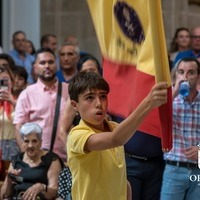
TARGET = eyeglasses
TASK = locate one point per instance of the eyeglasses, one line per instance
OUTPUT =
(195, 36)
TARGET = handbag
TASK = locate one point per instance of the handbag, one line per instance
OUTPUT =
(65, 183)
(57, 109)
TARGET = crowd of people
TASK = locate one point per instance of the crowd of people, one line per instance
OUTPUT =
(55, 129)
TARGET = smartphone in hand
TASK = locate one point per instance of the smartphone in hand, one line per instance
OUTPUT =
(3, 84)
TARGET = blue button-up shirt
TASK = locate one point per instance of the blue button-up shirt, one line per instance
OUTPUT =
(186, 54)
(27, 63)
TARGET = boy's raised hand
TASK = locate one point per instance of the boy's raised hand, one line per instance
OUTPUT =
(158, 95)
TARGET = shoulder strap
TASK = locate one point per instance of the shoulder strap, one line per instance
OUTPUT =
(56, 115)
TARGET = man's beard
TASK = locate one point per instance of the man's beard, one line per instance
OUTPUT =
(47, 79)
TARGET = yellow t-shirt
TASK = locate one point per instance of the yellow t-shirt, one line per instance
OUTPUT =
(98, 175)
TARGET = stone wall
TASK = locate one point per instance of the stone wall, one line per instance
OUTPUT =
(71, 17)
(179, 13)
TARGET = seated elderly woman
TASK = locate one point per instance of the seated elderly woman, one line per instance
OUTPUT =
(33, 173)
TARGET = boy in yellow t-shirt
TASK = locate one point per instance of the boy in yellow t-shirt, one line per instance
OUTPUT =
(95, 146)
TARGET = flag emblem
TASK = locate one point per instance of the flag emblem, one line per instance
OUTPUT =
(129, 22)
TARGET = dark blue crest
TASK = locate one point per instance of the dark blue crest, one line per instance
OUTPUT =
(129, 22)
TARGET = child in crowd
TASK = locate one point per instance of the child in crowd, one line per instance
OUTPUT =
(95, 146)
(20, 80)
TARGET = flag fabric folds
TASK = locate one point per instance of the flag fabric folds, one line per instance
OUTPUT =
(132, 42)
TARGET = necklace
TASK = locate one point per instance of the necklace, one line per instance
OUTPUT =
(34, 160)
(31, 161)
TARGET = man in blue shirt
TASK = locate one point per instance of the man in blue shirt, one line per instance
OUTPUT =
(68, 59)
(20, 56)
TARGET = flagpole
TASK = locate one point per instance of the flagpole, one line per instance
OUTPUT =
(160, 52)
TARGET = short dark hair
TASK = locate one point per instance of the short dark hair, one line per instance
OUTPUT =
(189, 60)
(21, 71)
(45, 38)
(43, 50)
(18, 32)
(87, 57)
(86, 80)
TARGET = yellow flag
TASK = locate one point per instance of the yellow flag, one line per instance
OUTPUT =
(132, 42)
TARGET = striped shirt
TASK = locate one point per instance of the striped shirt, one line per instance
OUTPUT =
(186, 127)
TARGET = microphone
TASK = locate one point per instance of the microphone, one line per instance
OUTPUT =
(18, 179)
